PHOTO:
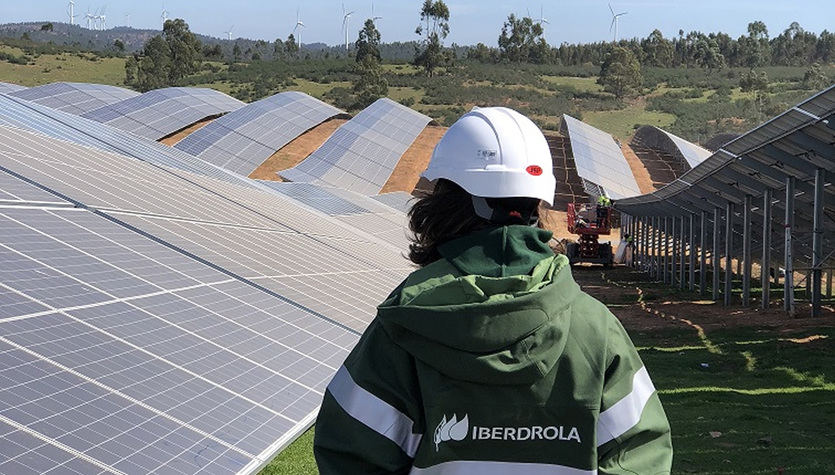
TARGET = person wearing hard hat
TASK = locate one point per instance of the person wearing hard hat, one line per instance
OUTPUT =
(489, 359)
(603, 204)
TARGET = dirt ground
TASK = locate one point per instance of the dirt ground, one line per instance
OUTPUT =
(294, 152)
(175, 138)
(407, 172)
(648, 305)
(638, 170)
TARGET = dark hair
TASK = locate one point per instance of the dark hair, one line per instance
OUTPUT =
(443, 215)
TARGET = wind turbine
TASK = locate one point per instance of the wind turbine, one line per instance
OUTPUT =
(103, 18)
(229, 33)
(374, 17)
(542, 19)
(346, 19)
(71, 12)
(89, 18)
(615, 17)
(127, 20)
(164, 15)
(299, 23)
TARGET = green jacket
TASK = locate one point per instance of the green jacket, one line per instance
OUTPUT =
(492, 361)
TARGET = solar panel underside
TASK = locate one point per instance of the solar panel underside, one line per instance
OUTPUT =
(61, 125)
(243, 139)
(7, 87)
(173, 325)
(75, 98)
(361, 155)
(600, 160)
(161, 112)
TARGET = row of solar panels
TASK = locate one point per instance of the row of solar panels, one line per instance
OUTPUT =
(359, 157)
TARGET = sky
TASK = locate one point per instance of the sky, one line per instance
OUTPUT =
(471, 21)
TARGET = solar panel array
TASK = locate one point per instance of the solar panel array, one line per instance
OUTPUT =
(7, 87)
(243, 139)
(361, 155)
(600, 160)
(61, 125)
(73, 97)
(161, 112)
(170, 321)
(657, 137)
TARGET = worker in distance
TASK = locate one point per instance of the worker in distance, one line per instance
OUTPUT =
(489, 359)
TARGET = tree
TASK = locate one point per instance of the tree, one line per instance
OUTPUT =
(521, 41)
(119, 45)
(184, 47)
(368, 43)
(213, 51)
(814, 78)
(236, 52)
(434, 27)
(278, 49)
(290, 46)
(154, 66)
(620, 73)
(754, 49)
(658, 50)
(47, 27)
(370, 84)
(706, 54)
(754, 81)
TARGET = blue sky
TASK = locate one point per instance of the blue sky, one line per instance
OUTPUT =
(471, 21)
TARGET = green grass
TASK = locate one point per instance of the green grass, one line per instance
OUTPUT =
(767, 396)
(63, 67)
(621, 123)
(580, 84)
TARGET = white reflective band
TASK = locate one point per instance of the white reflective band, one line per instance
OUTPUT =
(624, 414)
(375, 413)
(477, 467)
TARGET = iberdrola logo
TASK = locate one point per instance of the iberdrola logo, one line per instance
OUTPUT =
(452, 429)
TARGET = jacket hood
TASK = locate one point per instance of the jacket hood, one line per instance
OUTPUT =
(493, 310)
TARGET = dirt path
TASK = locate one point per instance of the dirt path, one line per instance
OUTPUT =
(294, 152)
(642, 305)
(176, 137)
(638, 170)
(407, 172)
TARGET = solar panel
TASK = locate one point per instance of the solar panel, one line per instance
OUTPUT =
(659, 138)
(75, 98)
(161, 112)
(361, 155)
(13, 190)
(7, 87)
(243, 139)
(600, 160)
(145, 360)
(61, 125)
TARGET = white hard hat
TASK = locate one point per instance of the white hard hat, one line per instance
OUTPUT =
(495, 152)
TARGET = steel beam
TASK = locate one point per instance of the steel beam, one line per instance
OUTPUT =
(714, 258)
(682, 243)
(788, 280)
(729, 247)
(665, 247)
(703, 253)
(674, 253)
(746, 251)
(692, 254)
(817, 242)
(765, 279)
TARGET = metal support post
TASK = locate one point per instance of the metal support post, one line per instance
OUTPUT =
(657, 245)
(674, 252)
(729, 247)
(765, 279)
(682, 242)
(714, 257)
(817, 242)
(665, 248)
(746, 251)
(691, 280)
(703, 253)
(788, 280)
(829, 282)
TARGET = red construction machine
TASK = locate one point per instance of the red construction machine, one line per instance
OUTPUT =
(589, 222)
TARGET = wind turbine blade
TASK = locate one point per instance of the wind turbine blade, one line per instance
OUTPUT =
(613, 24)
(611, 10)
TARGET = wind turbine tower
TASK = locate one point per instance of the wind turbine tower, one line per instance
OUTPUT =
(346, 19)
(103, 18)
(374, 17)
(299, 27)
(615, 17)
(229, 33)
(164, 15)
(71, 12)
(89, 17)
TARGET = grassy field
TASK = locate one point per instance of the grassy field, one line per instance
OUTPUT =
(621, 123)
(741, 398)
(47, 68)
